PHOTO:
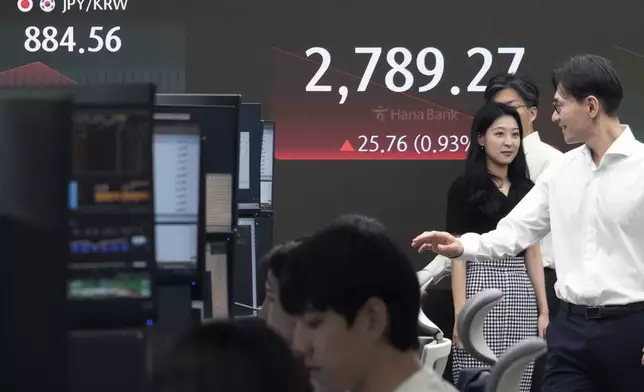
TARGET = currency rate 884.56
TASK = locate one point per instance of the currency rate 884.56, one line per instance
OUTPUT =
(49, 39)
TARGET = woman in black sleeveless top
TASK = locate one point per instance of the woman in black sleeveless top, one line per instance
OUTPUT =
(495, 180)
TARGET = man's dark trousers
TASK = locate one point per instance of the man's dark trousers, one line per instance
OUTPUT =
(595, 350)
(550, 277)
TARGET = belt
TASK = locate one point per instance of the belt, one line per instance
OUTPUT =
(600, 312)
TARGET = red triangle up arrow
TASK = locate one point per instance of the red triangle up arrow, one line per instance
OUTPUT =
(347, 147)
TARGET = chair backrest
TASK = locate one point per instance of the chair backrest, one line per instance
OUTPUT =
(434, 347)
(506, 375)
(437, 269)
(434, 354)
(470, 324)
(427, 327)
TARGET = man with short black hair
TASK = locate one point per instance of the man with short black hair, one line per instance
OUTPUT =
(592, 201)
(272, 311)
(355, 296)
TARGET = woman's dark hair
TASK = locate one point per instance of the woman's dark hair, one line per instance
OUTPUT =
(478, 178)
(225, 356)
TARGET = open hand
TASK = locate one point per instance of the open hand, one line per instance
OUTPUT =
(440, 242)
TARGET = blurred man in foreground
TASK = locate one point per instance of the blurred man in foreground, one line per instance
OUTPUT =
(355, 297)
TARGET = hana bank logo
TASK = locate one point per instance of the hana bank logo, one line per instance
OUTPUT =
(380, 113)
(387, 114)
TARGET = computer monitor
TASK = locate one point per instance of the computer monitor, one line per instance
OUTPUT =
(254, 241)
(245, 286)
(218, 119)
(177, 165)
(266, 166)
(218, 116)
(34, 170)
(264, 243)
(111, 279)
(250, 142)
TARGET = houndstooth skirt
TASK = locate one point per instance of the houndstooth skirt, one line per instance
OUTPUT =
(513, 319)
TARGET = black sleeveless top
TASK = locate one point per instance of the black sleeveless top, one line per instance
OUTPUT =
(479, 209)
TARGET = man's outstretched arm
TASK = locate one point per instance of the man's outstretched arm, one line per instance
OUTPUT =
(523, 227)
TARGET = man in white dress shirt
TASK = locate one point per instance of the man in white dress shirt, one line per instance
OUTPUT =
(592, 201)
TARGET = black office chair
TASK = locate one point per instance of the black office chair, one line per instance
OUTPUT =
(504, 374)
(470, 324)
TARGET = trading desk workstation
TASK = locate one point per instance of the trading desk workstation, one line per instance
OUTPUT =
(161, 218)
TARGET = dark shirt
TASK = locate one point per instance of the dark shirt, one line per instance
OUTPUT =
(479, 209)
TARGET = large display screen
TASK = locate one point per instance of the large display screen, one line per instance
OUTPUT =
(359, 80)
(372, 100)
(92, 42)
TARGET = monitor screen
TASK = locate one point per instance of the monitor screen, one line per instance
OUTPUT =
(176, 193)
(111, 222)
(218, 118)
(121, 285)
(263, 244)
(250, 141)
(266, 165)
(245, 268)
(109, 141)
(244, 160)
(111, 270)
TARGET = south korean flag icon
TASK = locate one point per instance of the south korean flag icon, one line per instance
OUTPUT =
(47, 5)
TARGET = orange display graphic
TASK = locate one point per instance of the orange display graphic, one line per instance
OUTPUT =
(131, 192)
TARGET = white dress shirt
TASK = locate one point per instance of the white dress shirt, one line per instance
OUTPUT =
(596, 216)
(425, 380)
(539, 156)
